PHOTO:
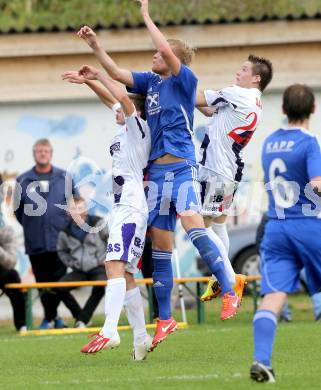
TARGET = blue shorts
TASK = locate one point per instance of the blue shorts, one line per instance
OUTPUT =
(172, 189)
(288, 246)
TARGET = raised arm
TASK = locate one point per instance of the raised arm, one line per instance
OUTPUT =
(200, 99)
(159, 40)
(104, 95)
(124, 76)
(118, 92)
(207, 111)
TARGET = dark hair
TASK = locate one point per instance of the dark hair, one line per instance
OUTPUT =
(298, 102)
(139, 103)
(263, 68)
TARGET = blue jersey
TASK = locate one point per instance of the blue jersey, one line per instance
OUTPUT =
(291, 158)
(169, 111)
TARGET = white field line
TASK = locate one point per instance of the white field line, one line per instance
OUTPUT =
(138, 380)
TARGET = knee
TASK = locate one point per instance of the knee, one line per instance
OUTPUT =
(208, 221)
(61, 290)
(193, 221)
(98, 291)
(130, 281)
(274, 302)
(12, 276)
(221, 219)
(160, 243)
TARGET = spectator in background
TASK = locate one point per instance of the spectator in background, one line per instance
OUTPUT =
(147, 272)
(82, 247)
(7, 272)
(37, 197)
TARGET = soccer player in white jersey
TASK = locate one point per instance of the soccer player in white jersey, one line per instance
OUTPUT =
(130, 151)
(236, 115)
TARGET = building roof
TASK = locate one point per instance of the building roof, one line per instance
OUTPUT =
(62, 15)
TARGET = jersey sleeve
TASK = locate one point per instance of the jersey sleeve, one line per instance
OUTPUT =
(186, 80)
(314, 158)
(138, 132)
(221, 97)
(138, 136)
(141, 81)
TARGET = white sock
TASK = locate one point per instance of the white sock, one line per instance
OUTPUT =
(114, 300)
(227, 264)
(221, 230)
(135, 313)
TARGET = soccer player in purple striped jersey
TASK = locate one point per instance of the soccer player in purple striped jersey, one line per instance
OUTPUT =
(130, 150)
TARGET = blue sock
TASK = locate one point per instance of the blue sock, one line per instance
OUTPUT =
(163, 282)
(211, 255)
(264, 327)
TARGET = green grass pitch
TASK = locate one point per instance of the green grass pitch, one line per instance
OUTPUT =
(212, 356)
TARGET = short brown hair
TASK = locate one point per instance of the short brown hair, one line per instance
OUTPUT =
(139, 103)
(298, 102)
(262, 67)
(182, 51)
(42, 142)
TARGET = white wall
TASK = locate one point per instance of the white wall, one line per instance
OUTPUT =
(93, 130)
(93, 142)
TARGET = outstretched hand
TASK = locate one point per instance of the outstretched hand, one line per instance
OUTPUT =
(88, 35)
(72, 76)
(88, 72)
(143, 6)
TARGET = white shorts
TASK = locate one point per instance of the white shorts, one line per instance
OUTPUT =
(217, 192)
(127, 230)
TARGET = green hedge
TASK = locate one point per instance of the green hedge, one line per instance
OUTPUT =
(34, 15)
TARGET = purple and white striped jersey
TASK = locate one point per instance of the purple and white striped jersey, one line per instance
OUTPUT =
(130, 151)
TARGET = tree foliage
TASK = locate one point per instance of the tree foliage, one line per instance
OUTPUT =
(48, 15)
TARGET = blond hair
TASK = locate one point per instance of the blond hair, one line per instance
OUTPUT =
(182, 50)
(42, 142)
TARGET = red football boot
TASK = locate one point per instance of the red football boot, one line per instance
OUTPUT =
(230, 303)
(99, 343)
(163, 329)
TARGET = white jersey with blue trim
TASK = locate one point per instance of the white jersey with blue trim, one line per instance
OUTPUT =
(237, 115)
(291, 158)
(130, 151)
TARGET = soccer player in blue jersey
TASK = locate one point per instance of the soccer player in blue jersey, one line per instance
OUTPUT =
(170, 91)
(291, 160)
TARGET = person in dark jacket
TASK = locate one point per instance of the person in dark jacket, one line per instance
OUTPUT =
(40, 197)
(147, 271)
(8, 274)
(82, 247)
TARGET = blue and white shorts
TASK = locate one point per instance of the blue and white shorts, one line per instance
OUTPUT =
(172, 190)
(288, 246)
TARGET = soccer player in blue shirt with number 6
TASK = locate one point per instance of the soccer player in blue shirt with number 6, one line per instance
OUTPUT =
(291, 160)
